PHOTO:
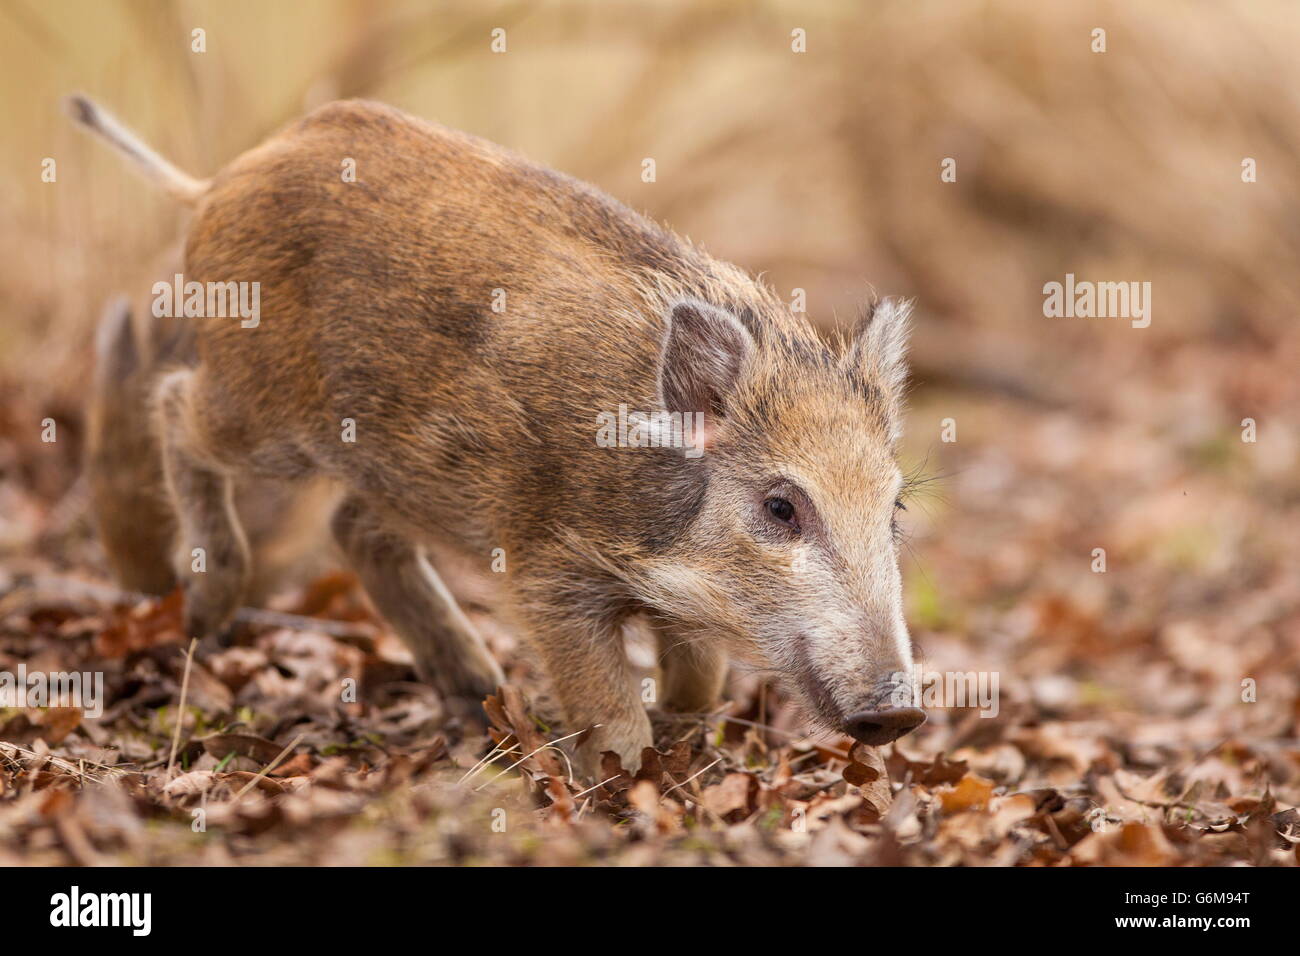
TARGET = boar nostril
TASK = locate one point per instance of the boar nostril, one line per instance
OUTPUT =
(876, 727)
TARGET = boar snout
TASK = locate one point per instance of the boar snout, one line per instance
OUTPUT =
(886, 714)
(878, 727)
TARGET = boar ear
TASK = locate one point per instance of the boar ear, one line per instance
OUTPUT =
(704, 350)
(877, 357)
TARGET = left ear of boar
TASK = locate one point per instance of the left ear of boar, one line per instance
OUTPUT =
(877, 357)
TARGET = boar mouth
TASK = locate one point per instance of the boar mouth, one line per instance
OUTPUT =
(874, 721)
(816, 694)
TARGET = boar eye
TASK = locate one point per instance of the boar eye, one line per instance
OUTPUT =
(781, 510)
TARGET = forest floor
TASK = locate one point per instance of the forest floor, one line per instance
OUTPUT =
(1149, 714)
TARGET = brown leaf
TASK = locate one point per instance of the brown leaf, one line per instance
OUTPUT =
(330, 596)
(56, 802)
(192, 784)
(612, 771)
(651, 766)
(256, 748)
(296, 766)
(662, 814)
(561, 799)
(1287, 823)
(677, 761)
(866, 771)
(734, 794)
(1133, 844)
(971, 793)
(496, 715)
(929, 773)
(865, 765)
(152, 622)
(57, 722)
(509, 711)
(238, 779)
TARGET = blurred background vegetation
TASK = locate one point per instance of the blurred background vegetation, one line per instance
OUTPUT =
(821, 170)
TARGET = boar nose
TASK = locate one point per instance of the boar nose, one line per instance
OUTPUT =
(876, 727)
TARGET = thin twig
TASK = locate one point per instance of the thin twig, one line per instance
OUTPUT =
(268, 768)
(491, 756)
(692, 801)
(691, 777)
(180, 707)
(1158, 804)
(63, 764)
(549, 743)
(599, 785)
(567, 762)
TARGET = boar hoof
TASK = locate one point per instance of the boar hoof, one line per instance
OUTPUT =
(629, 748)
(207, 615)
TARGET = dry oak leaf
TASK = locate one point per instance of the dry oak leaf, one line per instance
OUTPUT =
(56, 723)
(928, 773)
(1287, 823)
(734, 794)
(655, 763)
(151, 622)
(644, 797)
(972, 792)
(866, 771)
(238, 779)
(330, 596)
(1133, 844)
(192, 784)
(56, 802)
(508, 712)
(257, 748)
(562, 805)
(614, 778)
(1010, 810)
(299, 765)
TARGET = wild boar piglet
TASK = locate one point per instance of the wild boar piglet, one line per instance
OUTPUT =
(488, 354)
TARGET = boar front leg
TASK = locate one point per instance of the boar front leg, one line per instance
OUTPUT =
(693, 669)
(592, 680)
(407, 592)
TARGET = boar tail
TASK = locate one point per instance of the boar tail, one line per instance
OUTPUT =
(178, 184)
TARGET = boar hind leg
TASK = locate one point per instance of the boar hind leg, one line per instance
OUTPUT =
(693, 671)
(407, 592)
(211, 555)
(124, 463)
